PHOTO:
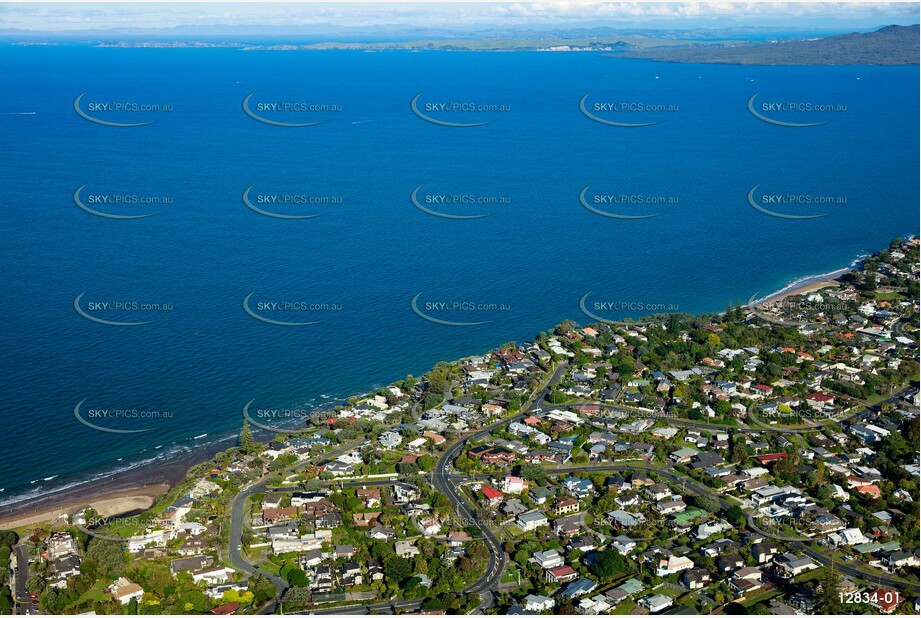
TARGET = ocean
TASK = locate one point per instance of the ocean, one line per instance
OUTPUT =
(379, 283)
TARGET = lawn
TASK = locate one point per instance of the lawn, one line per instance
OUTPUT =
(624, 608)
(96, 593)
(670, 592)
(512, 575)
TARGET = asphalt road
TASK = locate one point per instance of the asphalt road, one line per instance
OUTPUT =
(20, 594)
(376, 608)
(443, 482)
(683, 422)
(692, 486)
(237, 516)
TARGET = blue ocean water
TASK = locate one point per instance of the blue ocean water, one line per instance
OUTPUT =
(537, 254)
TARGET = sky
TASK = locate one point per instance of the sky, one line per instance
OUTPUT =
(51, 17)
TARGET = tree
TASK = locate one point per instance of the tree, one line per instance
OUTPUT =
(262, 588)
(105, 559)
(6, 601)
(247, 442)
(478, 551)
(425, 462)
(397, 569)
(894, 446)
(829, 597)
(737, 448)
(785, 468)
(8, 537)
(707, 503)
(297, 578)
(609, 563)
(35, 584)
(736, 516)
(534, 472)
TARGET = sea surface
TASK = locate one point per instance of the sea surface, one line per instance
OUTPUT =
(200, 358)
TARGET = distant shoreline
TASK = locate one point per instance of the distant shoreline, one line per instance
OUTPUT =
(130, 488)
(804, 286)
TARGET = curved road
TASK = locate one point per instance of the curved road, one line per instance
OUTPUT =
(237, 516)
(443, 480)
(800, 543)
(726, 428)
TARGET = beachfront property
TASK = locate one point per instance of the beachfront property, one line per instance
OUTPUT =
(336, 512)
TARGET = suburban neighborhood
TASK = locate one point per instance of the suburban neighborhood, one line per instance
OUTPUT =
(764, 460)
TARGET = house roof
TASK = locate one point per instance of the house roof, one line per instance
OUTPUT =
(490, 492)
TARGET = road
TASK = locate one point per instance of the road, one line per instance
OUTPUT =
(23, 604)
(443, 480)
(701, 490)
(683, 422)
(237, 517)
(20, 594)
(375, 608)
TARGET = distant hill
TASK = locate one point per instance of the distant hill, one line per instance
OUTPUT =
(892, 45)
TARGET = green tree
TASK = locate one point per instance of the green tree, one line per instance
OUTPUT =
(297, 578)
(8, 537)
(397, 569)
(829, 598)
(534, 472)
(105, 559)
(609, 563)
(736, 516)
(35, 584)
(6, 601)
(247, 442)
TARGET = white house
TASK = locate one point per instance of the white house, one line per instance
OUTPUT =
(673, 564)
(538, 603)
(532, 520)
(213, 575)
(123, 590)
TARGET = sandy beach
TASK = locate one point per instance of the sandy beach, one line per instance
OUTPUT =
(106, 505)
(807, 285)
(123, 492)
(138, 489)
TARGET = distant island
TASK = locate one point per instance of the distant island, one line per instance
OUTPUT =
(892, 45)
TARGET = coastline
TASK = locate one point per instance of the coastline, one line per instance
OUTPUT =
(139, 488)
(803, 286)
(106, 505)
(121, 492)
